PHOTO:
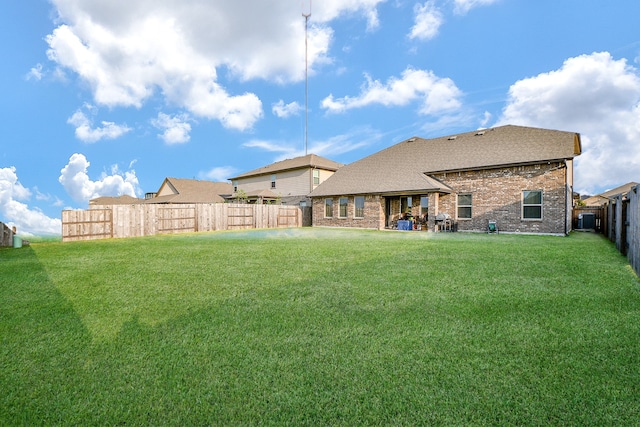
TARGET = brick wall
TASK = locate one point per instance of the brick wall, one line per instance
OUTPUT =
(497, 196)
(373, 213)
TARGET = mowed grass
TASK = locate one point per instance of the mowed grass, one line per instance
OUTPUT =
(320, 327)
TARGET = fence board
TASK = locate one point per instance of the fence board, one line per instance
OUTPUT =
(241, 216)
(633, 218)
(288, 217)
(623, 224)
(120, 221)
(6, 239)
(177, 219)
(87, 225)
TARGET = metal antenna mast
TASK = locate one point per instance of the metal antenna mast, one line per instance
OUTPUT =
(306, 78)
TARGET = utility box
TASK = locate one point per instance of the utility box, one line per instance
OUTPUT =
(586, 221)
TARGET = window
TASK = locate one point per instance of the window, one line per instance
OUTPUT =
(532, 205)
(464, 206)
(359, 203)
(328, 208)
(344, 201)
(316, 177)
(273, 180)
(235, 186)
(424, 206)
(405, 204)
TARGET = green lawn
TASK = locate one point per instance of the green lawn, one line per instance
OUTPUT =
(320, 327)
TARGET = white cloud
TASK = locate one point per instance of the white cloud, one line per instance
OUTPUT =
(329, 10)
(282, 110)
(344, 143)
(87, 133)
(463, 6)
(597, 96)
(126, 52)
(268, 146)
(486, 119)
(17, 213)
(81, 188)
(220, 174)
(35, 73)
(175, 129)
(333, 146)
(437, 95)
(428, 20)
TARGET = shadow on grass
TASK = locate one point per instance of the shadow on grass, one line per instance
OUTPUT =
(43, 345)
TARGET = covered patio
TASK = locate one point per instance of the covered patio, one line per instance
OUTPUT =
(419, 212)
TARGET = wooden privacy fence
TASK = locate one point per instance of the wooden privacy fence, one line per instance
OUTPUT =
(117, 221)
(633, 230)
(6, 239)
(623, 225)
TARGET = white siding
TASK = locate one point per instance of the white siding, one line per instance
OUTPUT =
(297, 182)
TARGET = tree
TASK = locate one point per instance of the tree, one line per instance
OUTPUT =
(241, 196)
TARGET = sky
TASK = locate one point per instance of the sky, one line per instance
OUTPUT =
(105, 98)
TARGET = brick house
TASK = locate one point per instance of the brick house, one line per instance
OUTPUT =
(289, 181)
(521, 178)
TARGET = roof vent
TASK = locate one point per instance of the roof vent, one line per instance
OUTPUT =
(451, 138)
(480, 133)
(411, 139)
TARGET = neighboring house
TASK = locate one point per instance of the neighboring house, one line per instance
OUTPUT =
(288, 181)
(603, 198)
(176, 191)
(521, 178)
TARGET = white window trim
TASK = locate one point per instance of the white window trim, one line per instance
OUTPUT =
(325, 208)
(522, 205)
(464, 206)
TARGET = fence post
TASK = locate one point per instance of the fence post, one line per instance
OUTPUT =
(634, 228)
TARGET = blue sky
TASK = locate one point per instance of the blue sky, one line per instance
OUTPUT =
(109, 98)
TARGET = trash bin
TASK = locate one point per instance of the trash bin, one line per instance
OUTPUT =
(405, 225)
(17, 241)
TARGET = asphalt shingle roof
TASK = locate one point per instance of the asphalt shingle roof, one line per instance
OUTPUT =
(404, 167)
(193, 191)
(308, 161)
(623, 189)
(119, 200)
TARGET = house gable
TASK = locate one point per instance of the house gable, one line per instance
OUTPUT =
(167, 188)
(178, 190)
